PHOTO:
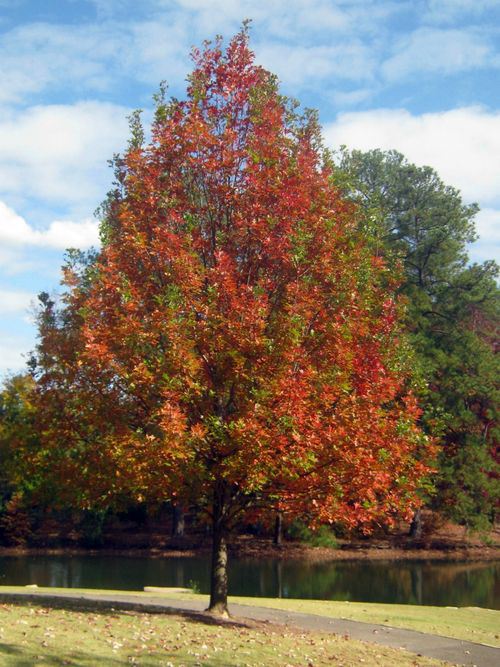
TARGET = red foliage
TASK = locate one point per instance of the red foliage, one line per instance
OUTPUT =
(242, 340)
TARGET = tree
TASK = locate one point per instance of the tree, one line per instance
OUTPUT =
(235, 343)
(17, 417)
(17, 434)
(414, 218)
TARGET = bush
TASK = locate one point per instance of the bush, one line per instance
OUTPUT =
(322, 537)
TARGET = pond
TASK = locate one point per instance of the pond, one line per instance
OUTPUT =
(409, 582)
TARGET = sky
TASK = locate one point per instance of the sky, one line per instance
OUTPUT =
(420, 76)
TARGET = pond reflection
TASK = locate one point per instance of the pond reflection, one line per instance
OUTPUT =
(408, 582)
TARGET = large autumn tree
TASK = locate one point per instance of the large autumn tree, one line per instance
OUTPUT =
(235, 342)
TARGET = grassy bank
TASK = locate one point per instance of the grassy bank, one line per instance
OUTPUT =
(35, 635)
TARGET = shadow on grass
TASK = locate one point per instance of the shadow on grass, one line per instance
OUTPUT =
(15, 656)
(106, 608)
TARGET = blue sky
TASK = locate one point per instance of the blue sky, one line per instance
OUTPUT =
(421, 76)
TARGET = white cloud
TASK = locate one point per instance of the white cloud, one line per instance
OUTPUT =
(488, 223)
(448, 11)
(15, 231)
(59, 153)
(350, 98)
(159, 50)
(14, 301)
(37, 55)
(463, 145)
(13, 228)
(13, 352)
(67, 234)
(280, 16)
(286, 18)
(94, 57)
(441, 51)
(298, 65)
(150, 42)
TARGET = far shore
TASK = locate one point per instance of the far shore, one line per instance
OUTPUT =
(259, 549)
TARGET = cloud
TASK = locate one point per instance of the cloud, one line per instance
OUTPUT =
(302, 65)
(280, 17)
(488, 224)
(129, 44)
(350, 98)
(299, 39)
(66, 234)
(440, 51)
(159, 50)
(14, 352)
(38, 55)
(463, 144)
(15, 231)
(146, 42)
(14, 301)
(82, 60)
(448, 11)
(59, 153)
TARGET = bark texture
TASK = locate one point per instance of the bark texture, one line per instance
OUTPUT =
(416, 525)
(218, 577)
(178, 521)
(278, 529)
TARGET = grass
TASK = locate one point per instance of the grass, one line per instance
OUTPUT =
(116, 638)
(470, 623)
(33, 635)
(473, 624)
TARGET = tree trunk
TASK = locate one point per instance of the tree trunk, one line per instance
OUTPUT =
(278, 529)
(218, 577)
(416, 525)
(178, 521)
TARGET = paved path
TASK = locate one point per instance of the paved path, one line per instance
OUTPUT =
(455, 651)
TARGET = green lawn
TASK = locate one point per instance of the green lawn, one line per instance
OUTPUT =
(470, 623)
(33, 635)
(473, 624)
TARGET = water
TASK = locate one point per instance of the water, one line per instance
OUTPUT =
(409, 582)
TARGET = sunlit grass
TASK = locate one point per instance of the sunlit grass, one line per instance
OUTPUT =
(468, 623)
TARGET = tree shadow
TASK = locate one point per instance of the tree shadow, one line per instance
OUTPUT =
(16, 656)
(106, 607)
(20, 656)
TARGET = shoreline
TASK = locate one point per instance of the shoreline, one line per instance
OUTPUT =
(289, 551)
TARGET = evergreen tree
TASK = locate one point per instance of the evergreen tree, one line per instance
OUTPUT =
(417, 221)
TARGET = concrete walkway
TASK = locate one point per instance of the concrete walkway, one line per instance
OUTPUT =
(456, 651)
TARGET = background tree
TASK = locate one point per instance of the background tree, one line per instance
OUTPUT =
(235, 342)
(17, 435)
(452, 314)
